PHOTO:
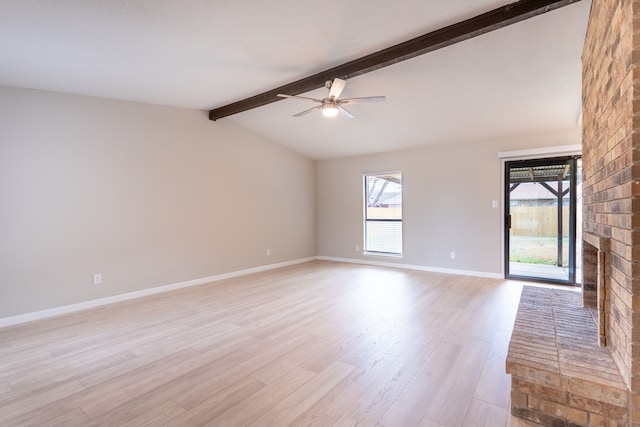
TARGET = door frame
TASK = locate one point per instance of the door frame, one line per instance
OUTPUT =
(534, 161)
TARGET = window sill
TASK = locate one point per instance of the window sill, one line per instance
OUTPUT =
(382, 254)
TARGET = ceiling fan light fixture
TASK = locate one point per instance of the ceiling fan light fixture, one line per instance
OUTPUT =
(329, 110)
(331, 106)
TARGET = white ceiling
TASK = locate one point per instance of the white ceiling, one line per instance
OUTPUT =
(203, 54)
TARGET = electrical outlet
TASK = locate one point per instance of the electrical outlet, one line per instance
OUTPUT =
(97, 279)
(452, 255)
(357, 248)
(268, 252)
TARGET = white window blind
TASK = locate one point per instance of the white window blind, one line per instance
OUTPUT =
(383, 213)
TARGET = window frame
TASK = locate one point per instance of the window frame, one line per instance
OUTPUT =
(366, 219)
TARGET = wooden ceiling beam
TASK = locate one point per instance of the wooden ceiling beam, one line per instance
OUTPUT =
(464, 30)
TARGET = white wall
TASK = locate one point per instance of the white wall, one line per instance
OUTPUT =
(447, 195)
(146, 195)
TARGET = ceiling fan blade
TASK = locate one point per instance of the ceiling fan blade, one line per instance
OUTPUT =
(363, 99)
(281, 95)
(302, 113)
(336, 88)
(345, 113)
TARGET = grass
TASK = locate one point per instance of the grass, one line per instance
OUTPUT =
(537, 250)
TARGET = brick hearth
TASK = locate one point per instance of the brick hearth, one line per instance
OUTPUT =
(560, 376)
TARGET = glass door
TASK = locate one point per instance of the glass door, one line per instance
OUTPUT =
(540, 219)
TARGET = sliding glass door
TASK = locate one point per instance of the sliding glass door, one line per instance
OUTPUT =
(540, 219)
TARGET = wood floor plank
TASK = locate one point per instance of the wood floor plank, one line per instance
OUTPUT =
(200, 338)
(191, 389)
(197, 393)
(296, 357)
(439, 324)
(484, 414)
(494, 385)
(346, 339)
(9, 332)
(145, 409)
(142, 405)
(99, 335)
(127, 387)
(345, 396)
(4, 387)
(430, 423)
(20, 360)
(296, 404)
(409, 408)
(156, 416)
(39, 339)
(63, 369)
(217, 402)
(245, 411)
(374, 402)
(75, 417)
(21, 403)
(225, 346)
(314, 344)
(458, 387)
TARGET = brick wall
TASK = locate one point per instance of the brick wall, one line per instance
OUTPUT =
(611, 167)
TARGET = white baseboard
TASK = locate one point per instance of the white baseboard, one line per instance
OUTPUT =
(416, 267)
(42, 314)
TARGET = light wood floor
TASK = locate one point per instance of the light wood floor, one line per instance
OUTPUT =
(317, 344)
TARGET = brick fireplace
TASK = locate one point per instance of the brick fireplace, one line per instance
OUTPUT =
(611, 189)
(611, 254)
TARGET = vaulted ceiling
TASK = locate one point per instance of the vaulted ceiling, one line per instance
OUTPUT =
(523, 79)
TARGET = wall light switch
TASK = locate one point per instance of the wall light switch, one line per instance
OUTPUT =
(494, 204)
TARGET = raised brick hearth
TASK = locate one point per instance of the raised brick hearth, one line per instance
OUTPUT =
(560, 376)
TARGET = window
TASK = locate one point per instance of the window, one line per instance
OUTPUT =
(383, 213)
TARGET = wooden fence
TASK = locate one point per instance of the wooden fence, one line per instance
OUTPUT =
(538, 221)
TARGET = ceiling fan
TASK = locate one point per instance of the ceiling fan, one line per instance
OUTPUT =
(331, 105)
